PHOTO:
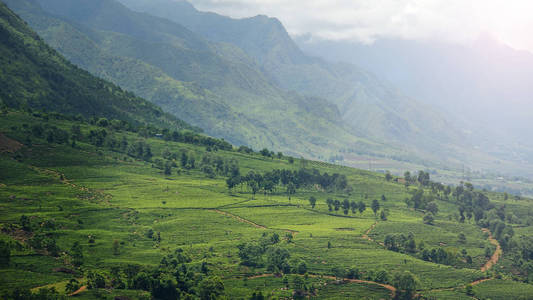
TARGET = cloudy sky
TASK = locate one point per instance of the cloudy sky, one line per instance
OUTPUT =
(510, 21)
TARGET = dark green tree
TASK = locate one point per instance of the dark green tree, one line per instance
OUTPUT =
(312, 201)
(375, 206)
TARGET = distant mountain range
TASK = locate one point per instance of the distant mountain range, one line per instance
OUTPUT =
(247, 81)
(485, 85)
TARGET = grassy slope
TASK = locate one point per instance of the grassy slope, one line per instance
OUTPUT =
(116, 199)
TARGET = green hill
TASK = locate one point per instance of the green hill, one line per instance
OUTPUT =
(36, 76)
(197, 218)
(98, 209)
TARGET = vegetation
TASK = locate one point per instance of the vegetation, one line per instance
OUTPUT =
(103, 207)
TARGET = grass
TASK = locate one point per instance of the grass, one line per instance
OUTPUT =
(90, 191)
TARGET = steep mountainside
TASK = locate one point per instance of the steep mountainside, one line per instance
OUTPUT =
(369, 106)
(486, 85)
(36, 76)
(212, 85)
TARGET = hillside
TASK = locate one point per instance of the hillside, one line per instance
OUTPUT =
(213, 86)
(369, 106)
(35, 76)
(200, 218)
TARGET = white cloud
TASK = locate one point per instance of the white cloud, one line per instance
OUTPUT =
(367, 20)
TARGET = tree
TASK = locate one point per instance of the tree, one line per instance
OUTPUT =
(302, 268)
(353, 206)
(383, 198)
(388, 176)
(312, 201)
(72, 286)
(383, 215)
(407, 177)
(339, 273)
(211, 288)
(375, 206)
(361, 207)
(406, 284)
(461, 238)
(95, 280)
(428, 219)
(291, 190)
(329, 201)
(168, 169)
(337, 204)
(345, 206)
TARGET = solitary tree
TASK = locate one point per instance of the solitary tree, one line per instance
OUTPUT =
(361, 207)
(312, 201)
(329, 201)
(375, 206)
(291, 190)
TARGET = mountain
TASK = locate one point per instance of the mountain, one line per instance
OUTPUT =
(215, 86)
(35, 76)
(485, 84)
(369, 106)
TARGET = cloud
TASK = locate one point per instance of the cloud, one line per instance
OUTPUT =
(367, 20)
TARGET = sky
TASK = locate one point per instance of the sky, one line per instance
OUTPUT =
(462, 21)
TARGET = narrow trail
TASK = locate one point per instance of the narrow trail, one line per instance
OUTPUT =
(390, 288)
(496, 255)
(368, 238)
(365, 235)
(242, 220)
(80, 290)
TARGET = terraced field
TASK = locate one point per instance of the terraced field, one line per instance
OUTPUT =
(124, 211)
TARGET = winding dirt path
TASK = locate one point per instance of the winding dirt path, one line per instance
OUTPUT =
(365, 235)
(496, 255)
(243, 220)
(80, 290)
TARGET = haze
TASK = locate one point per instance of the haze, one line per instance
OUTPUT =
(368, 20)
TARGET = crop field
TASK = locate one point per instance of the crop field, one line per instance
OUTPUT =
(124, 211)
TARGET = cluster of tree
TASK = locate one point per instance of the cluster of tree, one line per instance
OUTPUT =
(98, 137)
(346, 205)
(440, 256)
(401, 243)
(291, 180)
(407, 244)
(267, 252)
(174, 278)
(423, 178)
(267, 153)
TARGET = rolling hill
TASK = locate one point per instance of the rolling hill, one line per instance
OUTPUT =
(94, 210)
